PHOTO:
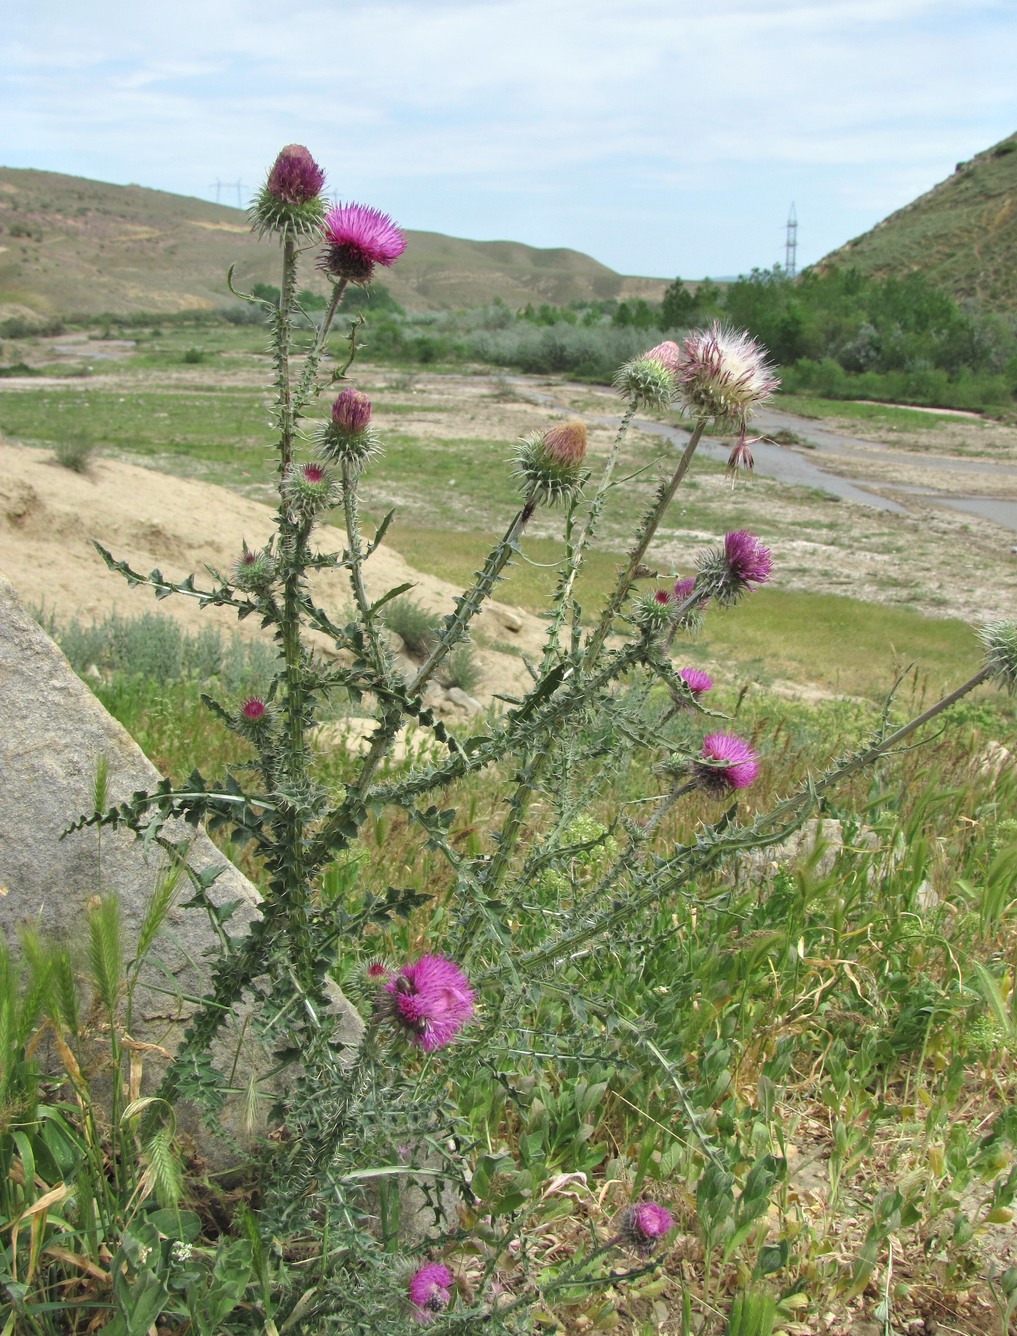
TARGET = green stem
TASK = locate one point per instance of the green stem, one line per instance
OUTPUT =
(664, 498)
(577, 551)
(306, 384)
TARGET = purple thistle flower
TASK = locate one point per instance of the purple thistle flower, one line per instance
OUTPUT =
(682, 589)
(295, 177)
(724, 374)
(357, 238)
(644, 1224)
(351, 411)
(253, 709)
(696, 681)
(430, 1289)
(748, 561)
(727, 763)
(431, 1000)
(289, 202)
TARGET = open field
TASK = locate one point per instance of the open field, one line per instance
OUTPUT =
(842, 1019)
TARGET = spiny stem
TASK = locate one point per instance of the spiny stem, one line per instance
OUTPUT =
(650, 525)
(577, 550)
(306, 385)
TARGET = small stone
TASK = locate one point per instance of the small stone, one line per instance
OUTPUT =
(511, 620)
(465, 702)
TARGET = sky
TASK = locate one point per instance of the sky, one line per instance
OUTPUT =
(662, 137)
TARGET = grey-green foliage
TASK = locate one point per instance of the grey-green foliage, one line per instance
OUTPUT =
(155, 647)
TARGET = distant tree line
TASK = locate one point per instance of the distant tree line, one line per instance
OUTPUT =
(835, 333)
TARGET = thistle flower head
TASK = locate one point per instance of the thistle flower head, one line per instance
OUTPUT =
(309, 489)
(351, 410)
(253, 571)
(253, 718)
(430, 1001)
(549, 464)
(643, 1224)
(348, 436)
(723, 375)
(650, 381)
(697, 681)
(999, 640)
(728, 573)
(295, 177)
(357, 238)
(726, 762)
(430, 1289)
(288, 202)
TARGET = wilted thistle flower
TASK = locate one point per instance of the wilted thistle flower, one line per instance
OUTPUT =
(430, 1289)
(652, 379)
(728, 573)
(289, 201)
(357, 238)
(726, 762)
(308, 489)
(644, 1224)
(1000, 642)
(741, 456)
(348, 435)
(723, 375)
(253, 572)
(431, 1000)
(549, 464)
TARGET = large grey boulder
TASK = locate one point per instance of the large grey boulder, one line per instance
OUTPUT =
(53, 733)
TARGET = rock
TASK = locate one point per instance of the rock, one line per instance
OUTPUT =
(510, 619)
(460, 698)
(54, 733)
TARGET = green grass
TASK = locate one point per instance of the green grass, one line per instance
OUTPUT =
(881, 415)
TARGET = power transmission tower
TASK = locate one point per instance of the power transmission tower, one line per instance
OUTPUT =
(791, 246)
(217, 187)
(239, 187)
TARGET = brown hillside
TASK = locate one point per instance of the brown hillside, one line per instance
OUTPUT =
(69, 245)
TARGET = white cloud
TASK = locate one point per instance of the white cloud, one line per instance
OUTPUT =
(582, 111)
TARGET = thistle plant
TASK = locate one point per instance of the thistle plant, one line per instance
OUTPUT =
(606, 688)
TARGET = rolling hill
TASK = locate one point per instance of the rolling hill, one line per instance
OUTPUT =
(69, 245)
(962, 234)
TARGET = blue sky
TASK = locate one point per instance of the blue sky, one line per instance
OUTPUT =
(663, 137)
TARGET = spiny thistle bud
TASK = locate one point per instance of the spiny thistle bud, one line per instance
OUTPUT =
(727, 574)
(1000, 642)
(357, 238)
(644, 1224)
(691, 619)
(726, 762)
(723, 375)
(430, 1001)
(651, 380)
(288, 202)
(253, 572)
(550, 463)
(309, 489)
(430, 1289)
(254, 718)
(349, 436)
